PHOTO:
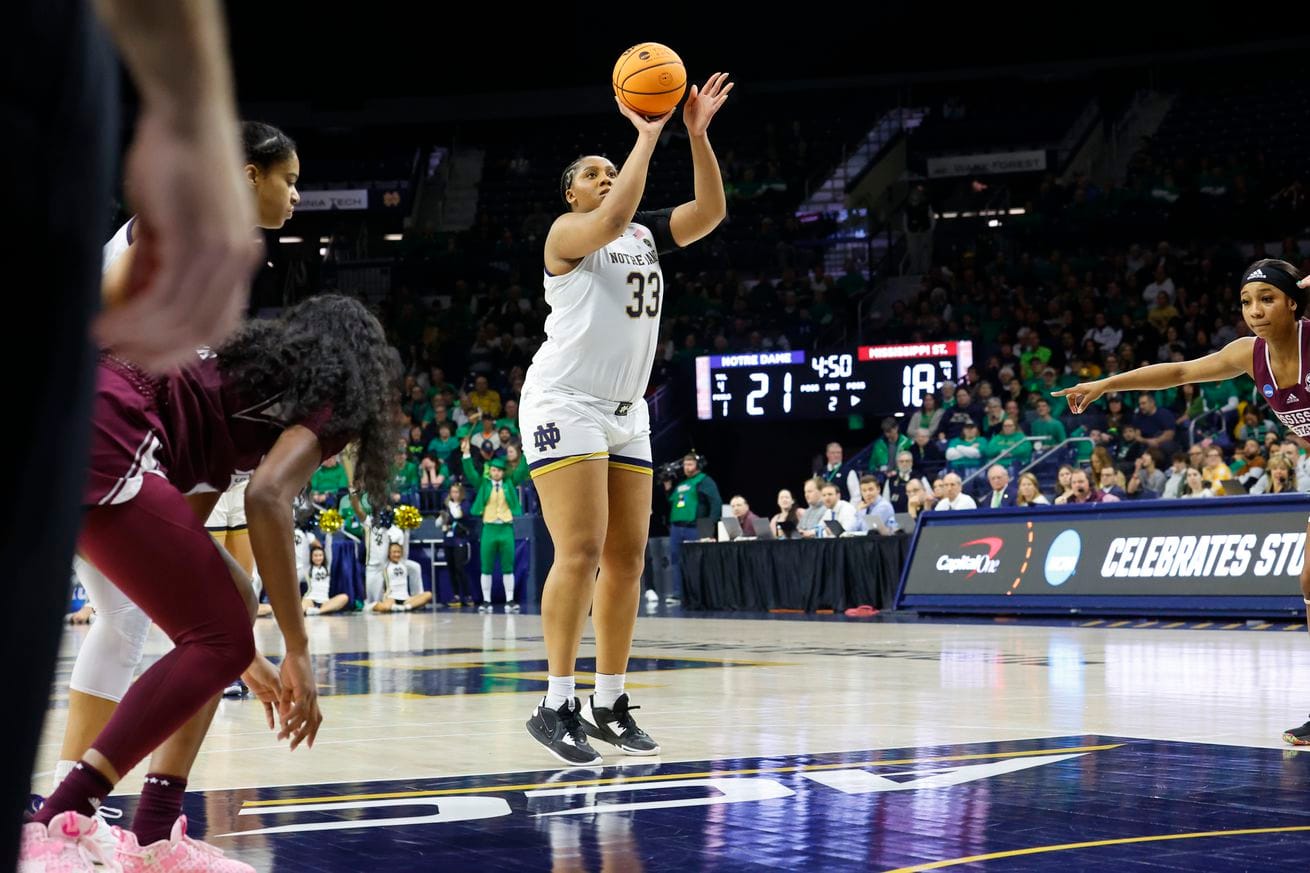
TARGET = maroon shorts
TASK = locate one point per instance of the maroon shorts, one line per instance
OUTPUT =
(126, 434)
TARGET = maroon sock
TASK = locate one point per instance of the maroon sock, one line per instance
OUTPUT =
(159, 807)
(81, 791)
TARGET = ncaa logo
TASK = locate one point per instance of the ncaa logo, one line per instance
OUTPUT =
(1268, 390)
(1062, 557)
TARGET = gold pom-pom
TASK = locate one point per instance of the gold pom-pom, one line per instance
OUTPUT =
(330, 521)
(408, 517)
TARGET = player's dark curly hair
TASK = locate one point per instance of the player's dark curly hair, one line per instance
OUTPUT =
(327, 351)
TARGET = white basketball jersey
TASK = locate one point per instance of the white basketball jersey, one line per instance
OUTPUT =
(320, 579)
(398, 581)
(604, 323)
(118, 244)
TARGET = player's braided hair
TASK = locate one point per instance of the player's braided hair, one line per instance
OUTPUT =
(265, 145)
(327, 351)
(566, 179)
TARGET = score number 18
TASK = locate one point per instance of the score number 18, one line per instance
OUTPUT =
(916, 381)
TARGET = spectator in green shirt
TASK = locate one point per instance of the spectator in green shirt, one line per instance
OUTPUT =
(882, 459)
(350, 522)
(1221, 395)
(433, 473)
(516, 468)
(1010, 436)
(418, 408)
(695, 497)
(1049, 382)
(445, 444)
(1049, 431)
(994, 417)
(1032, 354)
(964, 454)
(404, 479)
(328, 480)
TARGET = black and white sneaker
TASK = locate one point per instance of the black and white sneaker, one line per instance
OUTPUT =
(562, 733)
(237, 689)
(1299, 736)
(616, 726)
(512, 606)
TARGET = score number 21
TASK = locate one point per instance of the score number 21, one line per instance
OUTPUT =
(761, 380)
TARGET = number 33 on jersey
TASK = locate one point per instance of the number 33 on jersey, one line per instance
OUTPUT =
(603, 327)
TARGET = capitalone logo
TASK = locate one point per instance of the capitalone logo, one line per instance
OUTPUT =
(975, 564)
(1062, 557)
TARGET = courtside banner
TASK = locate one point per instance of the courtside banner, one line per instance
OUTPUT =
(1237, 555)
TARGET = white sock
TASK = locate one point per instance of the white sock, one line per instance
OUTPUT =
(507, 579)
(486, 587)
(62, 769)
(561, 690)
(608, 688)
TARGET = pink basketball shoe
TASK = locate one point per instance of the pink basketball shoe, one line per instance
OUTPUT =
(177, 854)
(66, 845)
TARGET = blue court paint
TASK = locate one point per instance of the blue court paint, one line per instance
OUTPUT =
(871, 810)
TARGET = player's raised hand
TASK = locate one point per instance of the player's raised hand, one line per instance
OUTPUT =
(704, 102)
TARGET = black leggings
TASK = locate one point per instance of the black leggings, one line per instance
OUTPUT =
(57, 116)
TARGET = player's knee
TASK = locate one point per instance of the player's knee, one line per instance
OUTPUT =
(110, 655)
(227, 641)
(625, 563)
(124, 638)
(234, 651)
(1305, 581)
(581, 557)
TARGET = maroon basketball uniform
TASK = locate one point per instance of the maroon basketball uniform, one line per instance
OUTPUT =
(192, 427)
(1291, 403)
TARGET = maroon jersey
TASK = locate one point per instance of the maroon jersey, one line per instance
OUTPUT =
(192, 427)
(1291, 403)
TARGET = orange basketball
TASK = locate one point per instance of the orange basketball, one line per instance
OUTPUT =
(650, 79)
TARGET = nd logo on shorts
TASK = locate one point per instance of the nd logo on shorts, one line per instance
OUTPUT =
(546, 437)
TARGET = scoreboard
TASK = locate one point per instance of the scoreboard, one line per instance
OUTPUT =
(868, 380)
